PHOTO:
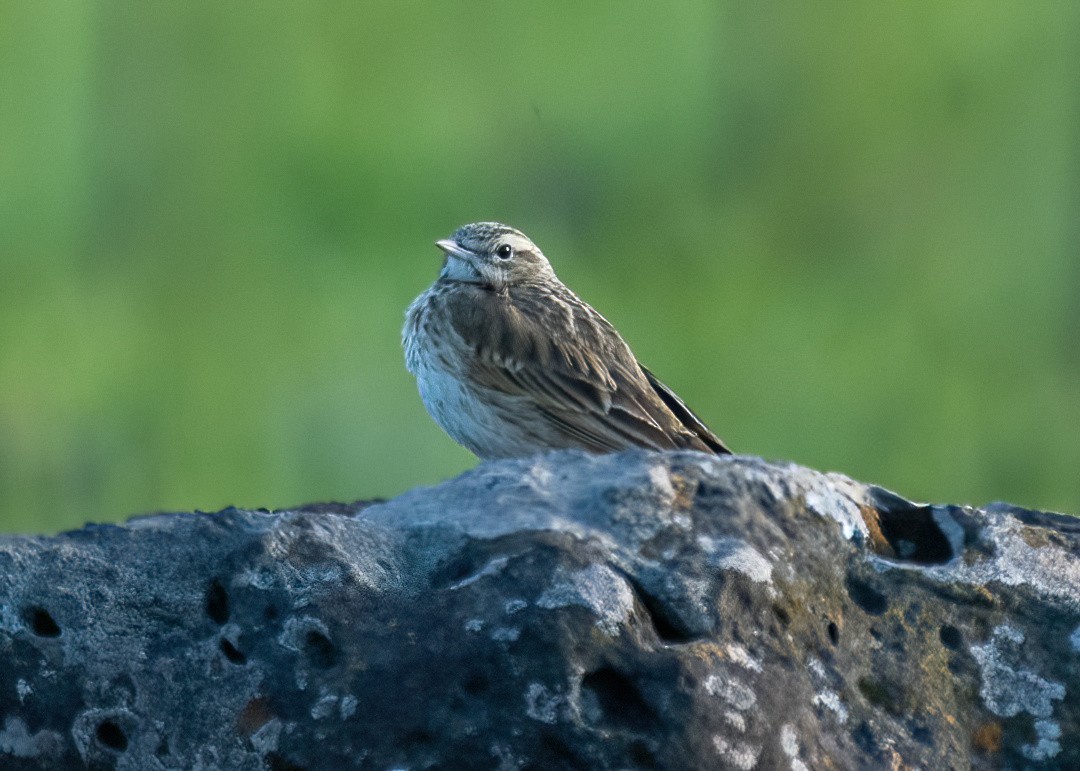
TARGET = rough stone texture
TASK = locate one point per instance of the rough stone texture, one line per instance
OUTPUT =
(567, 611)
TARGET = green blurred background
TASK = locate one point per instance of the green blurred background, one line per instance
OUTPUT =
(847, 235)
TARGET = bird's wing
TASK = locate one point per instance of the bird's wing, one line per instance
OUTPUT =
(567, 359)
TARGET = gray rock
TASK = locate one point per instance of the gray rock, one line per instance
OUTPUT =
(567, 611)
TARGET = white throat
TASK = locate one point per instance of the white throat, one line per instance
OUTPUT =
(457, 269)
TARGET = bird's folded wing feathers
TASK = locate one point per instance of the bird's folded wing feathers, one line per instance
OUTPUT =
(587, 385)
(605, 418)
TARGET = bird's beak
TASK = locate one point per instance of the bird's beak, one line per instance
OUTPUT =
(453, 249)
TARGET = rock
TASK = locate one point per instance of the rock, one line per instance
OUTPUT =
(633, 611)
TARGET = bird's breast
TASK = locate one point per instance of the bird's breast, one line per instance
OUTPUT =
(429, 338)
(488, 422)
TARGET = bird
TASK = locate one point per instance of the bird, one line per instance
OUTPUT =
(510, 362)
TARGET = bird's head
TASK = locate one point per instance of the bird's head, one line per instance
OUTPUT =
(492, 254)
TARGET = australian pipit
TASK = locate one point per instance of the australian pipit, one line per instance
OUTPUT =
(510, 362)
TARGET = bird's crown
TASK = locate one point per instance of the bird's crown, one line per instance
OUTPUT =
(482, 237)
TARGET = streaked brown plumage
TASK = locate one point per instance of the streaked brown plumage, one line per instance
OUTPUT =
(510, 362)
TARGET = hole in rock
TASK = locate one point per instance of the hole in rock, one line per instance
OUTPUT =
(255, 714)
(111, 735)
(279, 762)
(882, 693)
(232, 653)
(950, 636)
(866, 597)
(866, 738)
(40, 622)
(455, 571)
(479, 560)
(619, 698)
(477, 684)
(321, 652)
(669, 627)
(556, 752)
(834, 633)
(417, 736)
(906, 531)
(476, 560)
(641, 755)
(217, 603)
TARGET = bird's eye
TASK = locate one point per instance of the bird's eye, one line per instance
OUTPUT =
(504, 251)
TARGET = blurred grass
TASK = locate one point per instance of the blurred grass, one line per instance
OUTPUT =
(847, 235)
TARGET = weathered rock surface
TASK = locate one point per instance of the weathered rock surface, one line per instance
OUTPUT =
(632, 611)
